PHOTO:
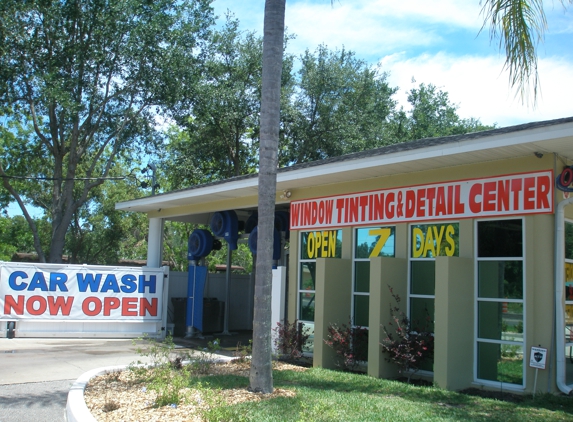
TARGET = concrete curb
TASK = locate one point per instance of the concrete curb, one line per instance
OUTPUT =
(76, 408)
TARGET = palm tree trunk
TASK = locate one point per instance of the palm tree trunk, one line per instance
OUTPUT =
(261, 376)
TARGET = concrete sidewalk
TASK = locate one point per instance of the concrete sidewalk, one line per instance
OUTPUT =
(38, 360)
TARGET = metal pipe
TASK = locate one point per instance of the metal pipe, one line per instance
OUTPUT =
(560, 377)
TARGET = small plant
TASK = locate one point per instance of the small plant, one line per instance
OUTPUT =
(349, 343)
(201, 363)
(159, 353)
(243, 351)
(110, 405)
(407, 344)
(291, 339)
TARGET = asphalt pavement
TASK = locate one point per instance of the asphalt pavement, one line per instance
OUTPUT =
(36, 374)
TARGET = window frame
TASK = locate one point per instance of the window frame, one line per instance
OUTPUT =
(478, 299)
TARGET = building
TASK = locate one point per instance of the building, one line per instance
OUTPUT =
(475, 230)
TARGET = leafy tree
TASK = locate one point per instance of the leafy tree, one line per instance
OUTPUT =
(15, 236)
(83, 81)
(340, 105)
(431, 115)
(216, 143)
(520, 25)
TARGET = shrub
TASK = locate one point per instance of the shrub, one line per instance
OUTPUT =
(349, 343)
(407, 344)
(290, 339)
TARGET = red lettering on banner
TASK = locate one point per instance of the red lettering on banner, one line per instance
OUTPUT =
(431, 194)
(148, 308)
(410, 203)
(294, 215)
(364, 207)
(129, 306)
(31, 308)
(516, 188)
(503, 195)
(389, 205)
(314, 213)
(529, 193)
(306, 213)
(459, 207)
(353, 210)
(520, 193)
(450, 200)
(12, 305)
(543, 190)
(441, 201)
(340, 209)
(110, 303)
(475, 204)
(488, 196)
(378, 207)
(421, 203)
(329, 207)
(86, 306)
(60, 304)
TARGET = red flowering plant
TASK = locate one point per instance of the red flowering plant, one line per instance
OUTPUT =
(350, 343)
(407, 344)
(290, 339)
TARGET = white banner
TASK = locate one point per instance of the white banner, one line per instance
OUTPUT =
(515, 194)
(80, 292)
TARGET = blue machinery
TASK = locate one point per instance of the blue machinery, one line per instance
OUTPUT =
(201, 242)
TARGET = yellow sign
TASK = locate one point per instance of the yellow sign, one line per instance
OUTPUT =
(430, 244)
(384, 235)
(321, 244)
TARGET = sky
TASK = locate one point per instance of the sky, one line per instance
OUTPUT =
(437, 42)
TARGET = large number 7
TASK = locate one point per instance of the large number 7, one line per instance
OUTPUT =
(384, 235)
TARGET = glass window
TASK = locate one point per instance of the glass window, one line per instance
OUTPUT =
(369, 242)
(315, 244)
(427, 241)
(500, 238)
(500, 301)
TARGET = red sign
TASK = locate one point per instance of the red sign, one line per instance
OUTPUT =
(516, 194)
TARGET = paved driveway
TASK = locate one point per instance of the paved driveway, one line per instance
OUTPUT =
(36, 374)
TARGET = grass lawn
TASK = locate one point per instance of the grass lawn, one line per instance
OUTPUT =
(325, 395)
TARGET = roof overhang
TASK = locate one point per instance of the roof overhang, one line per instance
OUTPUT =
(554, 137)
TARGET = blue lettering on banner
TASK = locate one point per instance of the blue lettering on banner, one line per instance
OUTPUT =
(12, 280)
(58, 280)
(90, 281)
(128, 281)
(110, 283)
(38, 282)
(129, 284)
(143, 283)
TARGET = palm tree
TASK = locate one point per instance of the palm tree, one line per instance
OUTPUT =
(261, 379)
(520, 25)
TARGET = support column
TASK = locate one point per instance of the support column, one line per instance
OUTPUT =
(155, 243)
(454, 323)
(384, 272)
(333, 296)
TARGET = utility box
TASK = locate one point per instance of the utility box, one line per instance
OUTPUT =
(179, 313)
(213, 315)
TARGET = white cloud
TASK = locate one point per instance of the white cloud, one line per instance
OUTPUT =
(480, 89)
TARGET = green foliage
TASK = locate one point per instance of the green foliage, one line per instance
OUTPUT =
(408, 344)
(291, 339)
(340, 105)
(431, 115)
(84, 81)
(349, 343)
